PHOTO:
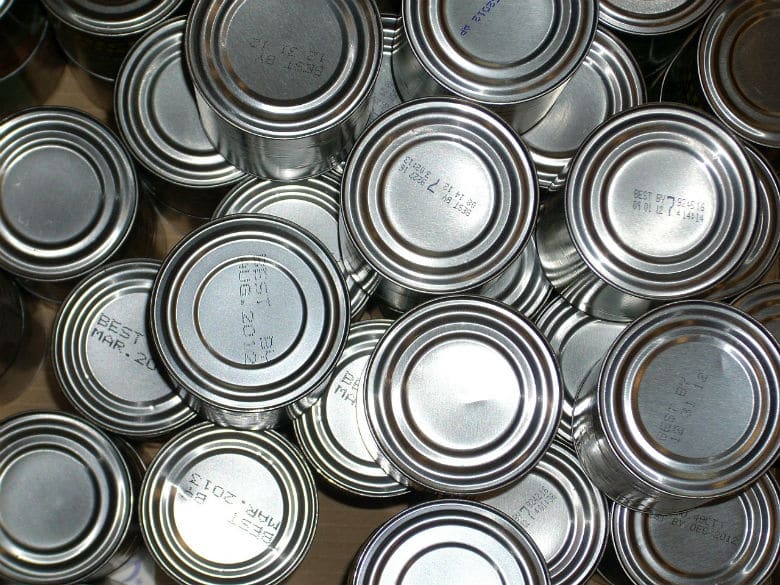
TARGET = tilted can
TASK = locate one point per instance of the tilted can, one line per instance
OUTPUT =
(385, 94)
(763, 304)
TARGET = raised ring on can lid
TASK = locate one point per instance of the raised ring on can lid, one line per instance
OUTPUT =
(763, 304)
(563, 512)
(249, 314)
(733, 542)
(158, 117)
(500, 54)
(652, 17)
(66, 499)
(102, 357)
(68, 193)
(689, 400)
(227, 506)
(439, 195)
(462, 395)
(661, 202)
(283, 73)
(118, 17)
(452, 539)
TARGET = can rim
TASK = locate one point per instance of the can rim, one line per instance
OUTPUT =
(70, 12)
(642, 24)
(761, 296)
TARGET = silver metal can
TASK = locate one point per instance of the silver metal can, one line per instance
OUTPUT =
(438, 197)
(69, 197)
(313, 204)
(763, 304)
(249, 315)
(563, 513)
(158, 120)
(451, 539)
(462, 396)
(102, 358)
(514, 59)
(684, 409)
(68, 498)
(385, 95)
(284, 91)
(735, 541)
(222, 506)
(661, 204)
(328, 432)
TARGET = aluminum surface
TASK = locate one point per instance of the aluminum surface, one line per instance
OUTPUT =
(462, 396)
(249, 315)
(684, 409)
(763, 304)
(563, 513)
(652, 17)
(455, 540)
(228, 506)
(385, 95)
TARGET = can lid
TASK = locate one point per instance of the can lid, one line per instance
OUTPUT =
(439, 195)
(733, 542)
(676, 375)
(328, 432)
(385, 94)
(738, 67)
(652, 17)
(283, 73)
(500, 54)
(224, 506)
(158, 117)
(607, 82)
(462, 395)
(563, 512)
(455, 540)
(66, 498)
(249, 314)
(101, 354)
(763, 304)
(661, 202)
(68, 193)
(118, 17)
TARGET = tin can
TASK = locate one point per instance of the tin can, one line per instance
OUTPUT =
(313, 204)
(222, 506)
(283, 93)
(69, 197)
(158, 120)
(249, 315)
(68, 497)
(13, 323)
(660, 204)
(328, 432)
(563, 513)
(762, 302)
(102, 357)
(684, 409)
(513, 59)
(453, 539)
(385, 96)
(438, 197)
(462, 396)
(733, 542)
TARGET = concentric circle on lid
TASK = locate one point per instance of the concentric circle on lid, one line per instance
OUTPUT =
(439, 196)
(68, 193)
(102, 357)
(66, 499)
(117, 17)
(652, 17)
(462, 396)
(158, 117)
(763, 304)
(455, 540)
(283, 69)
(734, 542)
(661, 202)
(738, 67)
(226, 506)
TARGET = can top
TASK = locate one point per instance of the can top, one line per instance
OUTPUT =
(454, 539)
(66, 498)
(652, 17)
(674, 376)
(500, 54)
(738, 67)
(661, 202)
(563, 512)
(68, 193)
(118, 17)
(249, 313)
(733, 542)
(462, 395)
(223, 506)
(763, 304)
(439, 195)
(157, 115)
(283, 71)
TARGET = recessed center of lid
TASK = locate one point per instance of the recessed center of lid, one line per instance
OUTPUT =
(755, 65)
(454, 565)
